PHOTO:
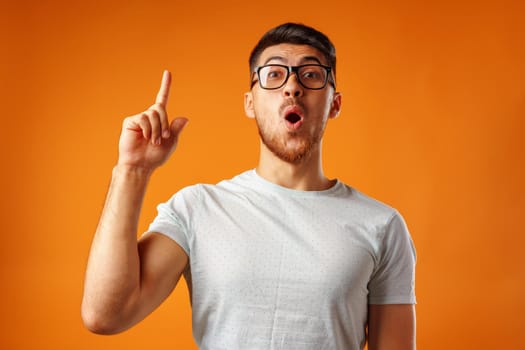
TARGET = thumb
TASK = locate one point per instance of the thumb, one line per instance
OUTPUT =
(177, 125)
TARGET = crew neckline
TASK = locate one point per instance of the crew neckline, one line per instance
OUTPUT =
(278, 188)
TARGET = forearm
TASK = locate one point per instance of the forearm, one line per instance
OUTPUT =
(112, 283)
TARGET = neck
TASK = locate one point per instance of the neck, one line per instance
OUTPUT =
(306, 175)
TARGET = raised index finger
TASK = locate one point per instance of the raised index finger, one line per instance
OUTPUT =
(162, 96)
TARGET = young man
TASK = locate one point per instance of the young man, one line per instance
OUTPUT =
(279, 257)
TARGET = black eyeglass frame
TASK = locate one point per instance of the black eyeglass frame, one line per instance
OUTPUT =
(293, 69)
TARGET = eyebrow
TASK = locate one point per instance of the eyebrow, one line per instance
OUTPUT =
(303, 60)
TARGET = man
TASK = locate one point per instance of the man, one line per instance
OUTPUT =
(279, 257)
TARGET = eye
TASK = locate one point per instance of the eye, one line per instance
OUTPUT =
(312, 73)
(274, 73)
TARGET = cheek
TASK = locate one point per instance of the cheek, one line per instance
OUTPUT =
(320, 107)
(265, 107)
(328, 102)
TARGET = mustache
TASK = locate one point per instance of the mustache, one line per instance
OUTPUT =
(291, 102)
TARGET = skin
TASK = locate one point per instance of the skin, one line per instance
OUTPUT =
(265, 106)
(126, 280)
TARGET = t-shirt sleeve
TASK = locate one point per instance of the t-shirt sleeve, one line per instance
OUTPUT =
(393, 279)
(174, 217)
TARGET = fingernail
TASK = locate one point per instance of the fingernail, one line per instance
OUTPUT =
(166, 133)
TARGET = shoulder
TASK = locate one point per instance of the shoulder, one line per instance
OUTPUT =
(389, 226)
(201, 191)
(367, 207)
(188, 193)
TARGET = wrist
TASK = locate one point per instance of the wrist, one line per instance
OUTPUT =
(132, 171)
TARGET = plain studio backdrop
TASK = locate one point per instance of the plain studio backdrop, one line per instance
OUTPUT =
(432, 123)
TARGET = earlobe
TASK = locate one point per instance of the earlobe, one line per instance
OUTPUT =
(335, 107)
(248, 105)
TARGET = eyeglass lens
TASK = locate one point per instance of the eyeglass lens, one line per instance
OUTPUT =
(311, 76)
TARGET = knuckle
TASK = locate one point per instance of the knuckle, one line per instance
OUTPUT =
(144, 117)
(158, 107)
(130, 120)
(153, 114)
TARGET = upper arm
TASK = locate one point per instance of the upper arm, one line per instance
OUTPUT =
(392, 327)
(162, 261)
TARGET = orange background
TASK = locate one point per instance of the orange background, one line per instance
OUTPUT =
(432, 124)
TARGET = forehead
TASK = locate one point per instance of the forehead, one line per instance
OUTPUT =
(291, 54)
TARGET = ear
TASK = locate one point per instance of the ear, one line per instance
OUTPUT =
(335, 107)
(248, 105)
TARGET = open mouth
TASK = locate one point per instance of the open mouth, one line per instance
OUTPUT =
(293, 118)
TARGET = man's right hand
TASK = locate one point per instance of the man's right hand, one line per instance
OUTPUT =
(148, 139)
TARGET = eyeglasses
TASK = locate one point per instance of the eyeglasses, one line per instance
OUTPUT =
(310, 76)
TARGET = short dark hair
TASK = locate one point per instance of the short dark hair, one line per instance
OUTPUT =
(298, 34)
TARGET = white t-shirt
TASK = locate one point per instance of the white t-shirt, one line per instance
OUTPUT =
(275, 268)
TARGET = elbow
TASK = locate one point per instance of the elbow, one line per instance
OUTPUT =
(99, 322)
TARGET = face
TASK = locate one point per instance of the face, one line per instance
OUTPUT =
(291, 120)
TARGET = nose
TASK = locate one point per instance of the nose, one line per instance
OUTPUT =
(293, 87)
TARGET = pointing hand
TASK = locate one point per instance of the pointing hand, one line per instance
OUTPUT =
(148, 139)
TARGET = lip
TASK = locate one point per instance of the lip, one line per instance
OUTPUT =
(293, 109)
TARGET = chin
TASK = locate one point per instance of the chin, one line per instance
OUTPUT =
(290, 154)
(294, 147)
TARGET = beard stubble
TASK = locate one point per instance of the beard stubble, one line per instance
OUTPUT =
(277, 142)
